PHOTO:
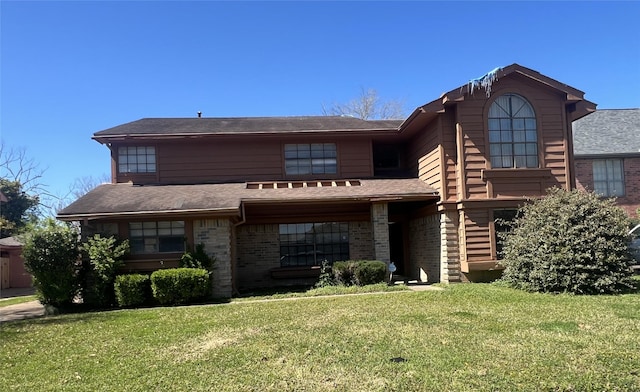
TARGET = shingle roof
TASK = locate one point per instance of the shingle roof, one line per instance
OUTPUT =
(606, 132)
(10, 242)
(244, 125)
(225, 199)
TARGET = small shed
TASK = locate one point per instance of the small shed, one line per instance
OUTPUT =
(12, 271)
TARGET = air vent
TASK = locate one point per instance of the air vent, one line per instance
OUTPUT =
(302, 184)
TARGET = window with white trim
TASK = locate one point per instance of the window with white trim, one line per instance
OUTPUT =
(139, 159)
(608, 177)
(311, 243)
(513, 135)
(156, 237)
(315, 158)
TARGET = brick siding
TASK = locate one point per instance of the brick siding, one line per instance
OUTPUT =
(630, 202)
(380, 225)
(361, 241)
(424, 249)
(216, 235)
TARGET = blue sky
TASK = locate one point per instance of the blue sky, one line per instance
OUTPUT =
(69, 69)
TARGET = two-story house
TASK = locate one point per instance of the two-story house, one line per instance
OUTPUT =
(607, 155)
(271, 198)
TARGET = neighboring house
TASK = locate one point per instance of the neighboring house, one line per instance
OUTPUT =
(272, 197)
(607, 155)
(12, 271)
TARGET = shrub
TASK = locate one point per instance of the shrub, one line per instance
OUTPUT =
(343, 272)
(569, 241)
(326, 276)
(105, 257)
(132, 290)
(197, 259)
(370, 272)
(361, 272)
(180, 285)
(51, 254)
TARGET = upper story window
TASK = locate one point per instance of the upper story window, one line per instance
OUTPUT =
(608, 177)
(156, 237)
(513, 135)
(139, 159)
(316, 158)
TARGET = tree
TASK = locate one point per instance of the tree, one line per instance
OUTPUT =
(51, 254)
(82, 185)
(569, 241)
(105, 258)
(18, 210)
(367, 106)
(16, 165)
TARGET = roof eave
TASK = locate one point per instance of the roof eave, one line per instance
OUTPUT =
(217, 212)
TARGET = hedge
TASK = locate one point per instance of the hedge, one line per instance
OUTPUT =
(359, 272)
(132, 290)
(180, 285)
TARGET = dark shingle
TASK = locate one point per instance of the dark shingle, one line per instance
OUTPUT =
(234, 125)
(606, 132)
(125, 199)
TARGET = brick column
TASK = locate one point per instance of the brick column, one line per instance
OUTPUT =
(380, 229)
(449, 251)
(216, 235)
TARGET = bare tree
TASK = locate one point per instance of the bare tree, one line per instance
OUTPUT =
(16, 165)
(367, 106)
(81, 186)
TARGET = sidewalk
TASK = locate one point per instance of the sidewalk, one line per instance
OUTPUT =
(19, 311)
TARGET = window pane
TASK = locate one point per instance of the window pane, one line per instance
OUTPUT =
(321, 241)
(518, 124)
(316, 158)
(515, 118)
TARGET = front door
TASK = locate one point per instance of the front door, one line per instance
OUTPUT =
(396, 247)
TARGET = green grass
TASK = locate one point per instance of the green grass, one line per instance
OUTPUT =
(469, 337)
(16, 300)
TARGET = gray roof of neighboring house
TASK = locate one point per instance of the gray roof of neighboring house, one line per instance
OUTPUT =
(10, 242)
(126, 199)
(607, 132)
(235, 125)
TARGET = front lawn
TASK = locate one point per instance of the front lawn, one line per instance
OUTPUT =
(469, 337)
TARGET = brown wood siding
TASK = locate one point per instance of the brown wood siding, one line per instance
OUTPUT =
(243, 159)
(450, 156)
(228, 160)
(552, 137)
(355, 158)
(425, 157)
(477, 235)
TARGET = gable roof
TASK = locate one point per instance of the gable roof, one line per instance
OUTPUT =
(427, 112)
(608, 132)
(241, 125)
(126, 199)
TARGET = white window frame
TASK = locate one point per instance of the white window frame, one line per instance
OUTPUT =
(608, 177)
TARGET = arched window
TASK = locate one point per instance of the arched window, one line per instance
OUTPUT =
(513, 136)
